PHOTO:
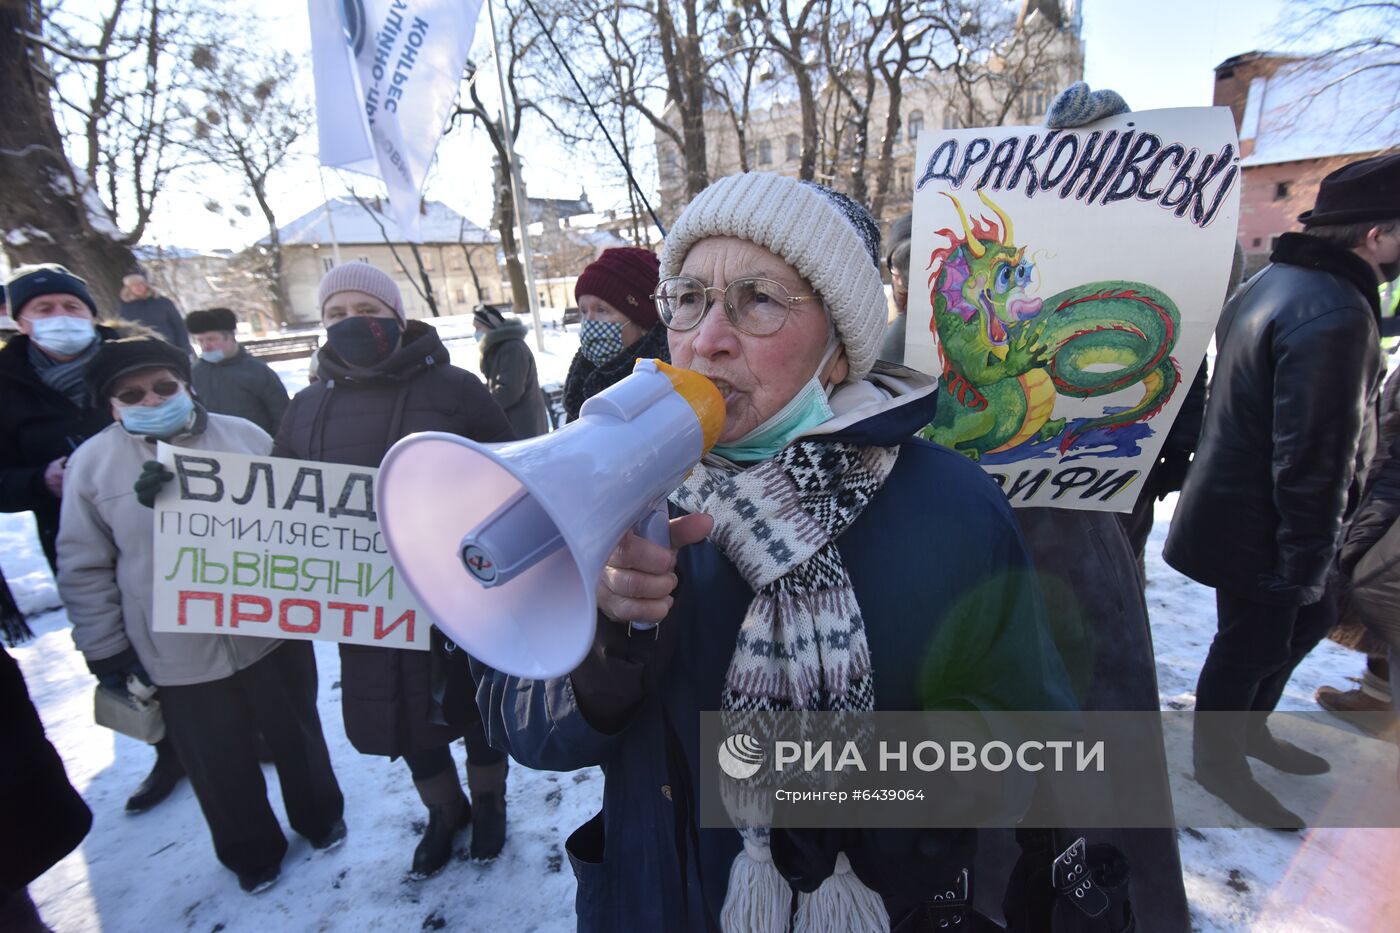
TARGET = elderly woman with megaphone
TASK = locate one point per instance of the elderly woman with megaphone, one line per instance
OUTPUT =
(819, 548)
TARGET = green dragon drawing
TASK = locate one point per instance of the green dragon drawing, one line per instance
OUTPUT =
(1007, 356)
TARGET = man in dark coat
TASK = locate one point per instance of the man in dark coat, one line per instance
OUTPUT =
(228, 379)
(47, 413)
(141, 305)
(380, 378)
(1278, 468)
(897, 262)
(42, 818)
(509, 368)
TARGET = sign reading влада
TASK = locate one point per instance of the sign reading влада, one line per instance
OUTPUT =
(276, 548)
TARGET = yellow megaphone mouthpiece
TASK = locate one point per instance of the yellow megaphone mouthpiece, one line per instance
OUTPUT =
(702, 395)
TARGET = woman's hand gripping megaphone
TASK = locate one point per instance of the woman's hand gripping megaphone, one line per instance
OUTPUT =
(637, 581)
(640, 575)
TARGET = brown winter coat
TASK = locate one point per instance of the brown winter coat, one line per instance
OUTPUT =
(354, 416)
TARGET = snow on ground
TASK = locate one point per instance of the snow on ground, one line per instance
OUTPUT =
(157, 871)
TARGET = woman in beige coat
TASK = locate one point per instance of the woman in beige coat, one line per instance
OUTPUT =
(216, 691)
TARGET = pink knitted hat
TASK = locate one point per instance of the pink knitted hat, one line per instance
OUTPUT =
(360, 277)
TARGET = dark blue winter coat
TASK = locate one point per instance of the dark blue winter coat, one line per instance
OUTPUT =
(954, 621)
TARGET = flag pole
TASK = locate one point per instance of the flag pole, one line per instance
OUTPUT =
(516, 187)
(330, 212)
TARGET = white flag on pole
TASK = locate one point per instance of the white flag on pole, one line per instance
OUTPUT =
(386, 74)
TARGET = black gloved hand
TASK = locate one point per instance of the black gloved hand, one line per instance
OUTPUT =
(154, 476)
(113, 672)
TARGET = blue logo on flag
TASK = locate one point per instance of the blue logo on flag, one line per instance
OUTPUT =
(352, 20)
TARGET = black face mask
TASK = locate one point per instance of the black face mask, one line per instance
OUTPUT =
(364, 341)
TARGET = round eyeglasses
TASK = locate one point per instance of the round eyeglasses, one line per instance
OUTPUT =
(755, 306)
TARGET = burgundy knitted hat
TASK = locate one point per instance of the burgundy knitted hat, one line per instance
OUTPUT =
(360, 277)
(625, 277)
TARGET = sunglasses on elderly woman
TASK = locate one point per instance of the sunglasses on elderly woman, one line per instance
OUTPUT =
(755, 306)
(136, 394)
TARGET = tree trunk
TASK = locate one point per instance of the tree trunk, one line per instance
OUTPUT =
(685, 78)
(505, 225)
(428, 295)
(277, 290)
(43, 215)
(807, 165)
(861, 151)
(471, 268)
(885, 166)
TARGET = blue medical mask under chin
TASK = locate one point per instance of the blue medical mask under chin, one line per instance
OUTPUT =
(600, 341)
(165, 420)
(67, 336)
(807, 409)
(212, 356)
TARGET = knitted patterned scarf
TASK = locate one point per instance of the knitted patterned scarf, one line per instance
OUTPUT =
(802, 644)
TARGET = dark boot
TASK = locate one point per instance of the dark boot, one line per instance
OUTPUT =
(1218, 753)
(19, 915)
(1284, 756)
(488, 786)
(448, 814)
(256, 882)
(1248, 797)
(160, 782)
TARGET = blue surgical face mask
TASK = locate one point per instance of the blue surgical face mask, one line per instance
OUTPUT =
(600, 341)
(66, 336)
(807, 409)
(212, 356)
(165, 420)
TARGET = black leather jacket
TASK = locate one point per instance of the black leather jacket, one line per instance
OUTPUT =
(1289, 427)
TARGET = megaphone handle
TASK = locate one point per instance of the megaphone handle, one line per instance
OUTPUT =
(655, 527)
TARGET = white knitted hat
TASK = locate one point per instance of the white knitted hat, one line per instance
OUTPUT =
(828, 238)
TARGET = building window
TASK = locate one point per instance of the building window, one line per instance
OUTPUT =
(1273, 242)
(1034, 104)
(765, 152)
(916, 124)
(327, 264)
(950, 120)
(898, 135)
(1281, 191)
(1258, 242)
(461, 296)
(794, 147)
(904, 180)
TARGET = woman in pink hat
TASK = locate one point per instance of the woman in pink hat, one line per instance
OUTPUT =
(382, 377)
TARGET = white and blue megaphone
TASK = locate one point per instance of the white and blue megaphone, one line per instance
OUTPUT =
(503, 544)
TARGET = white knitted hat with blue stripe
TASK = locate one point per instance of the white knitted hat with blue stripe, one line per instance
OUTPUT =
(828, 238)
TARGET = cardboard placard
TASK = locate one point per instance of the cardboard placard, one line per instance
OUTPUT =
(277, 548)
(1065, 285)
